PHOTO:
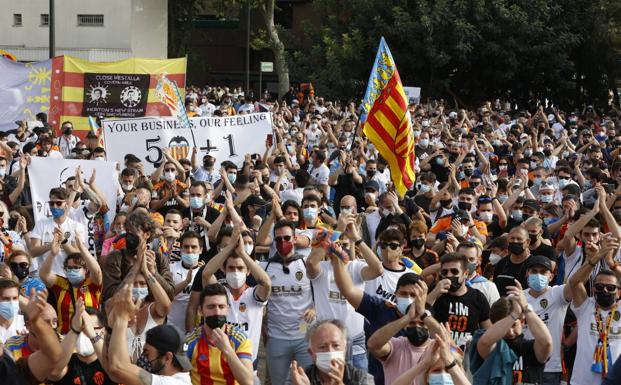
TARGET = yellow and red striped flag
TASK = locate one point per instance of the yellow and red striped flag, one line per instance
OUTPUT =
(387, 121)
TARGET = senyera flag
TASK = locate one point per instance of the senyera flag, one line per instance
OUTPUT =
(387, 121)
(81, 88)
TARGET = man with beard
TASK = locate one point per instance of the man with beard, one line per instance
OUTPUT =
(598, 317)
(464, 308)
(527, 357)
(398, 354)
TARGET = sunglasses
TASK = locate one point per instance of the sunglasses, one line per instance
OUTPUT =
(55, 203)
(285, 238)
(23, 265)
(391, 245)
(453, 271)
(609, 288)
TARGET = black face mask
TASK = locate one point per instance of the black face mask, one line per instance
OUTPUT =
(464, 206)
(12, 223)
(605, 299)
(417, 243)
(533, 237)
(417, 335)
(131, 241)
(67, 131)
(370, 174)
(265, 179)
(525, 217)
(446, 203)
(516, 248)
(214, 321)
(208, 164)
(19, 271)
(468, 172)
(455, 283)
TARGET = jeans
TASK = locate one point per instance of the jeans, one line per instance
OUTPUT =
(360, 360)
(280, 353)
(551, 378)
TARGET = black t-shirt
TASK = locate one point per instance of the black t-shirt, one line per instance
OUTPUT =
(493, 229)
(440, 171)
(545, 250)
(463, 313)
(526, 369)
(506, 271)
(423, 202)
(79, 372)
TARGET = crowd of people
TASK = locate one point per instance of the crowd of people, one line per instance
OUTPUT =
(501, 265)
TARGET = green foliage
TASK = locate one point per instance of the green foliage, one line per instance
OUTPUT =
(474, 49)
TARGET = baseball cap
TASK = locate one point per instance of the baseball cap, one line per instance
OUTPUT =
(167, 338)
(372, 184)
(255, 200)
(539, 260)
(531, 203)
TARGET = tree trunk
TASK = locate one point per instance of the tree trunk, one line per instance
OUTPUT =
(278, 49)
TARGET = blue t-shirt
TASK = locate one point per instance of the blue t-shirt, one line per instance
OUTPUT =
(377, 313)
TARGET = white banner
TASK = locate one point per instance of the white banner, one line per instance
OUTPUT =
(47, 173)
(413, 94)
(226, 138)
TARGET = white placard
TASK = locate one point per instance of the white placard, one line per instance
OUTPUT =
(48, 173)
(267, 66)
(413, 94)
(226, 138)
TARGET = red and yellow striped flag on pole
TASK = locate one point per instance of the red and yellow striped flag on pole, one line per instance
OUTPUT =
(387, 121)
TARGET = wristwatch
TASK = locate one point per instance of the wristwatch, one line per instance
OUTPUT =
(425, 314)
(358, 242)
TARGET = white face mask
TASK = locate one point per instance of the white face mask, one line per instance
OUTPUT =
(169, 176)
(84, 347)
(248, 248)
(323, 359)
(424, 188)
(346, 211)
(464, 230)
(403, 303)
(486, 216)
(386, 212)
(494, 258)
(128, 186)
(236, 279)
(441, 378)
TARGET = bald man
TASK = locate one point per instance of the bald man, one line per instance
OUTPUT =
(26, 344)
(349, 208)
(327, 342)
(513, 267)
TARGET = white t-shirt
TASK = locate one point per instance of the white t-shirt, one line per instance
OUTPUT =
(17, 327)
(385, 285)
(489, 290)
(331, 304)
(294, 194)
(246, 312)
(319, 174)
(66, 144)
(44, 230)
(176, 315)
(181, 378)
(587, 339)
(291, 297)
(551, 307)
(313, 137)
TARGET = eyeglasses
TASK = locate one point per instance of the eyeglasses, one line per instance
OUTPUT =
(453, 271)
(609, 288)
(55, 203)
(391, 245)
(285, 238)
(23, 265)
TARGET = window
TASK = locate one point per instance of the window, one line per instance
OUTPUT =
(17, 19)
(91, 20)
(45, 19)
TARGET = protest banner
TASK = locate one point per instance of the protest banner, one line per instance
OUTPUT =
(413, 94)
(118, 95)
(48, 173)
(226, 138)
(71, 92)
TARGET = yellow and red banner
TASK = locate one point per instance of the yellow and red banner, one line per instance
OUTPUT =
(387, 121)
(68, 80)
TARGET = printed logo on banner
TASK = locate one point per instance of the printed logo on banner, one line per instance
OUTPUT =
(115, 95)
(225, 138)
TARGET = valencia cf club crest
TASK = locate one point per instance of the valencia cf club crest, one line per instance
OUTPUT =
(242, 307)
(543, 303)
(299, 275)
(616, 316)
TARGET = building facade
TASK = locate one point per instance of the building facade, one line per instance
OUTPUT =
(89, 29)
